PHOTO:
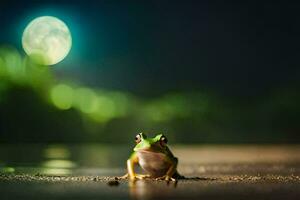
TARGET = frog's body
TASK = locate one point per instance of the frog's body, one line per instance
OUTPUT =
(153, 155)
(156, 164)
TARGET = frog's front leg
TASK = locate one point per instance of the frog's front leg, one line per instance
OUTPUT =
(142, 176)
(171, 171)
(131, 162)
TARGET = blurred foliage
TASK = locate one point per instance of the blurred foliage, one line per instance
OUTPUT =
(36, 107)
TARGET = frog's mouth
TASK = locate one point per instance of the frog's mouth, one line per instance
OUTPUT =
(152, 149)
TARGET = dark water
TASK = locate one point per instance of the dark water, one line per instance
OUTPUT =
(92, 159)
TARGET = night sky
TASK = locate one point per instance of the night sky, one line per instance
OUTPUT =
(155, 47)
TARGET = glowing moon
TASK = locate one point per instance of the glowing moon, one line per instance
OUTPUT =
(47, 40)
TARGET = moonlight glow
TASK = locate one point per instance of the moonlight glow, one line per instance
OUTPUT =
(47, 40)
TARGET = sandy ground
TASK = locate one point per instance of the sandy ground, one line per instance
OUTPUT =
(214, 172)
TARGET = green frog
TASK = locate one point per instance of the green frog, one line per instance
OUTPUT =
(154, 157)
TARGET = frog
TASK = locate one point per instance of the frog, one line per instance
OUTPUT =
(154, 157)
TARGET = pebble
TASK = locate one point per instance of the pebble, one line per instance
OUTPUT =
(113, 183)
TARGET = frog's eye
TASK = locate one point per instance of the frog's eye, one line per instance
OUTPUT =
(163, 140)
(138, 138)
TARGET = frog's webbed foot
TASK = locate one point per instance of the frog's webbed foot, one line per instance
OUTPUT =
(122, 177)
(142, 176)
(136, 176)
(166, 178)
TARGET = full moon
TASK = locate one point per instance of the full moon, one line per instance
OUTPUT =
(47, 40)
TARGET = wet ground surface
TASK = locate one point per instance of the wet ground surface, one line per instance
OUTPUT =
(88, 172)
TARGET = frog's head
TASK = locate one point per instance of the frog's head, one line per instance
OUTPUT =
(156, 144)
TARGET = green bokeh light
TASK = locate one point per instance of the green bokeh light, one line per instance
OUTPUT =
(106, 109)
(62, 96)
(85, 100)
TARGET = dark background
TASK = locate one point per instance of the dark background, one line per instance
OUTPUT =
(233, 68)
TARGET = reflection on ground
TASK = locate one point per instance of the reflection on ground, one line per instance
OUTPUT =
(89, 171)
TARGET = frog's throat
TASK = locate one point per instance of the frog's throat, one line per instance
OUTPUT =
(147, 149)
